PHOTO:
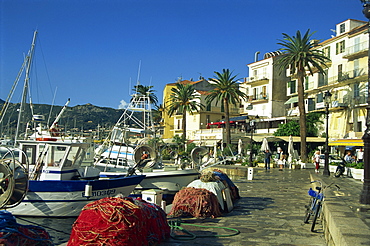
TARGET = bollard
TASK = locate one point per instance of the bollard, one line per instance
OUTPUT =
(250, 173)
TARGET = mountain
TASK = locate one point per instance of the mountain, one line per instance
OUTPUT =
(78, 118)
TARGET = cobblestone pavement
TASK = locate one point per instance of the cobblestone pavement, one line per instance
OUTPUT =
(270, 212)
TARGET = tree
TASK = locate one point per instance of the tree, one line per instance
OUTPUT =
(183, 100)
(301, 56)
(146, 91)
(226, 90)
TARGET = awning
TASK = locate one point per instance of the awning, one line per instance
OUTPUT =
(239, 118)
(292, 100)
(347, 142)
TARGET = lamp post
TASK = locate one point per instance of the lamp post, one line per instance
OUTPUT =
(365, 194)
(327, 100)
(252, 127)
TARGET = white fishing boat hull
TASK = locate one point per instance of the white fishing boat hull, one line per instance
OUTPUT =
(57, 198)
(169, 182)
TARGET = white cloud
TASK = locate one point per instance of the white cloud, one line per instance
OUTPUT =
(123, 104)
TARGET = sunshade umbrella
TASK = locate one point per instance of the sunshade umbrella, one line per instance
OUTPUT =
(240, 147)
(265, 145)
(292, 155)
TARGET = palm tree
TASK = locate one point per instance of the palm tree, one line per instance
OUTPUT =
(301, 56)
(182, 100)
(143, 90)
(226, 90)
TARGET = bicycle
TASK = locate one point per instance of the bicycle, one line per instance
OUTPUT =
(314, 207)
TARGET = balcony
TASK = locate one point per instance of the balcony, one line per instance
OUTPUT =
(356, 51)
(257, 80)
(349, 76)
(258, 98)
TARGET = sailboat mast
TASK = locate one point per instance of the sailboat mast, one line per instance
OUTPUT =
(25, 86)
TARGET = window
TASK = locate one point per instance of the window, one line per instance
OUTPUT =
(356, 90)
(292, 87)
(340, 47)
(342, 28)
(320, 98)
(356, 68)
(264, 92)
(209, 107)
(311, 104)
(255, 94)
(306, 83)
(323, 78)
(340, 72)
(326, 51)
(255, 73)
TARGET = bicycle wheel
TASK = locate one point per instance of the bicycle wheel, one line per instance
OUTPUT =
(316, 215)
(308, 211)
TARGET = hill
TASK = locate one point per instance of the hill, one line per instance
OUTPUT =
(77, 118)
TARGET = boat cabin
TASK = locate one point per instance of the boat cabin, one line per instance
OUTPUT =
(52, 160)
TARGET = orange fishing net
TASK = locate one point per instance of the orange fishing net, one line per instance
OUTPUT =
(195, 202)
(120, 221)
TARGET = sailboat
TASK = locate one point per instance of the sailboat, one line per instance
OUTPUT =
(49, 178)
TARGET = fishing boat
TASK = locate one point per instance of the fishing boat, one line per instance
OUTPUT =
(129, 140)
(44, 176)
(50, 180)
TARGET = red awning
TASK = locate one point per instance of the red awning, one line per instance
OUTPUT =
(219, 123)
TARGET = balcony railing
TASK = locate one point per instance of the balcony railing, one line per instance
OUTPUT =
(258, 97)
(259, 77)
(347, 75)
(356, 49)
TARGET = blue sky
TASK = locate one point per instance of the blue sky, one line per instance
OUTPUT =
(90, 50)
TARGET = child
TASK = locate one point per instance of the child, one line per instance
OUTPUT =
(281, 162)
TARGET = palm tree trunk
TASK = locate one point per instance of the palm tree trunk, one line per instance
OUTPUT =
(227, 121)
(302, 116)
(184, 125)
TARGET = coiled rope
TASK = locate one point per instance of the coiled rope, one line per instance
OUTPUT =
(10, 231)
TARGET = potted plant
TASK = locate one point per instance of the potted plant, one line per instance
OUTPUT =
(358, 171)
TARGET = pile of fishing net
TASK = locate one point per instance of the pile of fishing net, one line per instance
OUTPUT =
(120, 221)
(12, 233)
(234, 191)
(195, 202)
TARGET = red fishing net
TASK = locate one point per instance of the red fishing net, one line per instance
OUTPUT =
(195, 202)
(120, 221)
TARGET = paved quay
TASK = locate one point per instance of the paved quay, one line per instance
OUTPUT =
(270, 212)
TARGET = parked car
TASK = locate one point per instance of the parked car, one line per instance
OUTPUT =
(332, 158)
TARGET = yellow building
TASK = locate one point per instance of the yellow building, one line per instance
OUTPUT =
(199, 120)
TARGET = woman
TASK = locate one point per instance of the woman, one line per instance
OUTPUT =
(316, 160)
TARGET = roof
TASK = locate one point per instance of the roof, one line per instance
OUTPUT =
(185, 82)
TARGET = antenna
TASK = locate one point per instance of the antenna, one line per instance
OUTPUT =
(138, 73)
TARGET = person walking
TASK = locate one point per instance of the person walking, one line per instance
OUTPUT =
(281, 162)
(360, 156)
(316, 160)
(267, 159)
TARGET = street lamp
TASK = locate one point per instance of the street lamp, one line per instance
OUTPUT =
(327, 100)
(252, 126)
(365, 194)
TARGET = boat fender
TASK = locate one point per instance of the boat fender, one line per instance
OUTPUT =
(88, 190)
